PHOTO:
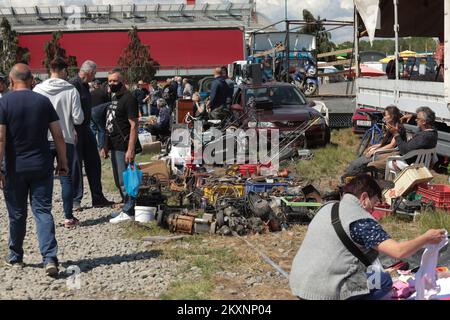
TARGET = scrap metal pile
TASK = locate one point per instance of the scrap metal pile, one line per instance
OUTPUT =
(224, 200)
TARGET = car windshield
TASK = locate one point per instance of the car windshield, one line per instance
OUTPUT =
(279, 95)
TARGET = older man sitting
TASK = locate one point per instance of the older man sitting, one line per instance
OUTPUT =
(426, 138)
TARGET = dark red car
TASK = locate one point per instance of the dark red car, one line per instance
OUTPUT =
(361, 121)
(280, 106)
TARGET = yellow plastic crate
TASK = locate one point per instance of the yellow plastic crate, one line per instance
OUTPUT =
(213, 192)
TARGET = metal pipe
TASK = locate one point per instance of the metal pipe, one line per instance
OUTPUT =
(285, 9)
(324, 22)
(356, 42)
(263, 255)
(271, 25)
(287, 51)
(396, 27)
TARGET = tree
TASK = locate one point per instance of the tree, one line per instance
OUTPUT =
(387, 46)
(10, 51)
(315, 26)
(53, 49)
(136, 60)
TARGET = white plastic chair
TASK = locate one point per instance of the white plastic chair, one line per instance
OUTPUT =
(426, 157)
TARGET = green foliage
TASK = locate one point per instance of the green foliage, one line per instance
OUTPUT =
(136, 60)
(315, 26)
(10, 51)
(388, 45)
(53, 49)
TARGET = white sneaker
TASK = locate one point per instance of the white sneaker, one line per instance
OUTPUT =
(115, 214)
(121, 218)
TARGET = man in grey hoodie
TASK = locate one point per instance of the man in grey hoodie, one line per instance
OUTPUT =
(66, 101)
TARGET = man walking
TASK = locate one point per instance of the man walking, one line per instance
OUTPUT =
(25, 118)
(66, 101)
(122, 138)
(86, 147)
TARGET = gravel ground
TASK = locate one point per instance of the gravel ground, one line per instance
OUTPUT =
(111, 267)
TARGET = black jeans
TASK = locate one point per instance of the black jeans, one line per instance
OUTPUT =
(87, 154)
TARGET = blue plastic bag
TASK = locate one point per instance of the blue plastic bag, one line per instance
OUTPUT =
(132, 178)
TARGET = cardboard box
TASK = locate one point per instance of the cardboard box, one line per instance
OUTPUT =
(158, 168)
(153, 147)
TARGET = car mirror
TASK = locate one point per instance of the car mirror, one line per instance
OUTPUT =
(237, 107)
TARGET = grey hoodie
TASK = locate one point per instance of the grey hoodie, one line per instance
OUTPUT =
(66, 101)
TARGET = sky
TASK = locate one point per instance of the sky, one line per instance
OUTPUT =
(273, 9)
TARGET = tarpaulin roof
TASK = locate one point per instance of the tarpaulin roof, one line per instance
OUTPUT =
(416, 18)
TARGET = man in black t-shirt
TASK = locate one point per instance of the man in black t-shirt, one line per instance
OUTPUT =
(100, 100)
(25, 119)
(121, 138)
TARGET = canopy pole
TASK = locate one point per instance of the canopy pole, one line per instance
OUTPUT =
(396, 38)
(356, 43)
(287, 51)
(446, 50)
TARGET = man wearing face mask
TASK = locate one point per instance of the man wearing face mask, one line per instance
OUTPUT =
(121, 138)
(342, 240)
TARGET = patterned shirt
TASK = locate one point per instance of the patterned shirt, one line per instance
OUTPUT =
(368, 233)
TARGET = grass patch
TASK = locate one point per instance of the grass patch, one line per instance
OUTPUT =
(208, 260)
(400, 228)
(438, 219)
(331, 160)
(192, 290)
(137, 230)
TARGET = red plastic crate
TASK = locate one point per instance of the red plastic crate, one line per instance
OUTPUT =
(382, 210)
(248, 169)
(438, 193)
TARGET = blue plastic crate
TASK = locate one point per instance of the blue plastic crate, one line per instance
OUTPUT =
(264, 186)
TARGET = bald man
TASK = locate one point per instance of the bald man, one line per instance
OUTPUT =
(218, 96)
(27, 117)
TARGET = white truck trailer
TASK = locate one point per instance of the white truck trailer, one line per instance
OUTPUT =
(405, 18)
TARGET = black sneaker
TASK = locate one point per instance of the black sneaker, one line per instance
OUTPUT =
(102, 203)
(14, 264)
(51, 269)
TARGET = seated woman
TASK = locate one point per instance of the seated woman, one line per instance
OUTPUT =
(199, 107)
(391, 117)
(162, 125)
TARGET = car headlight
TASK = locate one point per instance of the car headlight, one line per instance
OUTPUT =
(312, 71)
